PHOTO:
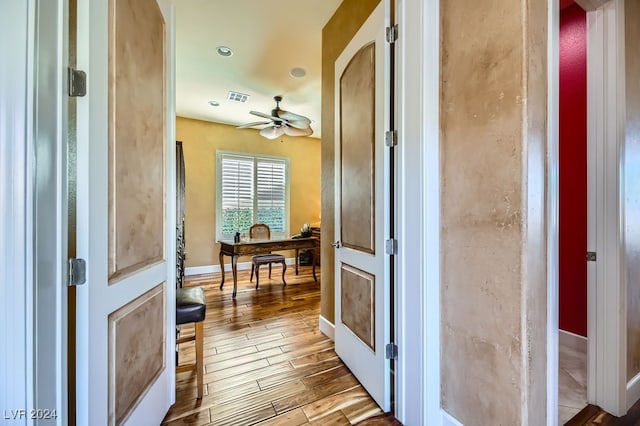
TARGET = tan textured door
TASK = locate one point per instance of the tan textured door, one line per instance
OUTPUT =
(362, 274)
(126, 212)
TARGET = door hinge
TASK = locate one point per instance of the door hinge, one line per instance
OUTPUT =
(391, 351)
(391, 247)
(77, 272)
(591, 256)
(392, 33)
(391, 138)
(77, 83)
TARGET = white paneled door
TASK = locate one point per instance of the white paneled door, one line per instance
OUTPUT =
(362, 323)
(126, 212)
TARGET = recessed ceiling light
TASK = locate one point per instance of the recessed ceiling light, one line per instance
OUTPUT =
(224, 51)
(297, 72)
(214, 103)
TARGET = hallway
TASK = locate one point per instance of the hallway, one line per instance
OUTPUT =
(266, 362)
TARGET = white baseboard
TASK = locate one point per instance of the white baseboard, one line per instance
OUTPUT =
(210, 269)
(200, 270)
(449, 420)
(633, 390)
(327, 328)
(572, 340)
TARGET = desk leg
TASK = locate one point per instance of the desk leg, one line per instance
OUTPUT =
(297, 257)
(234, 269)
(313, 262)
(221, 259)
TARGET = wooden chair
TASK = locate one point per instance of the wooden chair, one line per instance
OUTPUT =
(261, 231)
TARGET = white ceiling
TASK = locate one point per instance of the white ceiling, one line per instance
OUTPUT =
(268, 39)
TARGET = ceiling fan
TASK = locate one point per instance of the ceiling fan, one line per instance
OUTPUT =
(281, 122)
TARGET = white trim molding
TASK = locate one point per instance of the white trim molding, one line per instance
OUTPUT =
(606, 324)
(17, 93)
(449, 420)
(418, 213)
(327, 328)
(552, 201)
(633, 391)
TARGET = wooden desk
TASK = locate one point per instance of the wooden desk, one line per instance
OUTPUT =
(252, 247)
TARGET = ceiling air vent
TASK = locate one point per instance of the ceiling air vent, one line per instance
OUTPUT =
(237, 97)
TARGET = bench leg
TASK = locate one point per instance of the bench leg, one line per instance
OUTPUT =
(200, 357)
(253, 267)
(269, 270)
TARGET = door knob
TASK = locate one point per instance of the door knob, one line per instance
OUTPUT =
(336, 244)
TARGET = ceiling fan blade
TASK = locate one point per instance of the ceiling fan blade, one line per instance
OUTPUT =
(293, 131)
(298, 124)
(290, 116)
(272, 132)
(267, 116)
(256, 123)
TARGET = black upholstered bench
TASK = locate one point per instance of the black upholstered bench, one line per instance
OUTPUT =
(191, 307)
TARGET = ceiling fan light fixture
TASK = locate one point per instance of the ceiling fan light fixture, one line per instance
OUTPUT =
(272, 132)
(297, 72)
(281, 122)
(224, 51)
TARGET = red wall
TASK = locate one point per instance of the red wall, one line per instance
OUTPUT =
(573, 170)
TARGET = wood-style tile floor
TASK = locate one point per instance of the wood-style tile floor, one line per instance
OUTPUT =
(592, 415)
(266, 362)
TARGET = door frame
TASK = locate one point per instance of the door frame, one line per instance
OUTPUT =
(553, 202)
(33, 187)
(606, 279)
(418, 153)
(417, 304)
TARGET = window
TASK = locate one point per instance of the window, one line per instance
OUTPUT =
(251, 189)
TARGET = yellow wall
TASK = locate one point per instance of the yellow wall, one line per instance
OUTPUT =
(200, 140)
(338, 32)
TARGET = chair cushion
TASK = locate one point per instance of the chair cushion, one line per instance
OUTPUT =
(191, 305)
(267, 258)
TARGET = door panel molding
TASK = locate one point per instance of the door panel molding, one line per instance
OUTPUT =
(136, 351)
(359, 295)
(137, 127)
(358, 151)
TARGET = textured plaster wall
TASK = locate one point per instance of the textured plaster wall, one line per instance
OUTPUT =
(632, 184)
(200, 140)
(493, 126)
(337, 33)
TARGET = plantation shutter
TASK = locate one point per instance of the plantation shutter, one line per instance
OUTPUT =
(237, 194)
(271, 193)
